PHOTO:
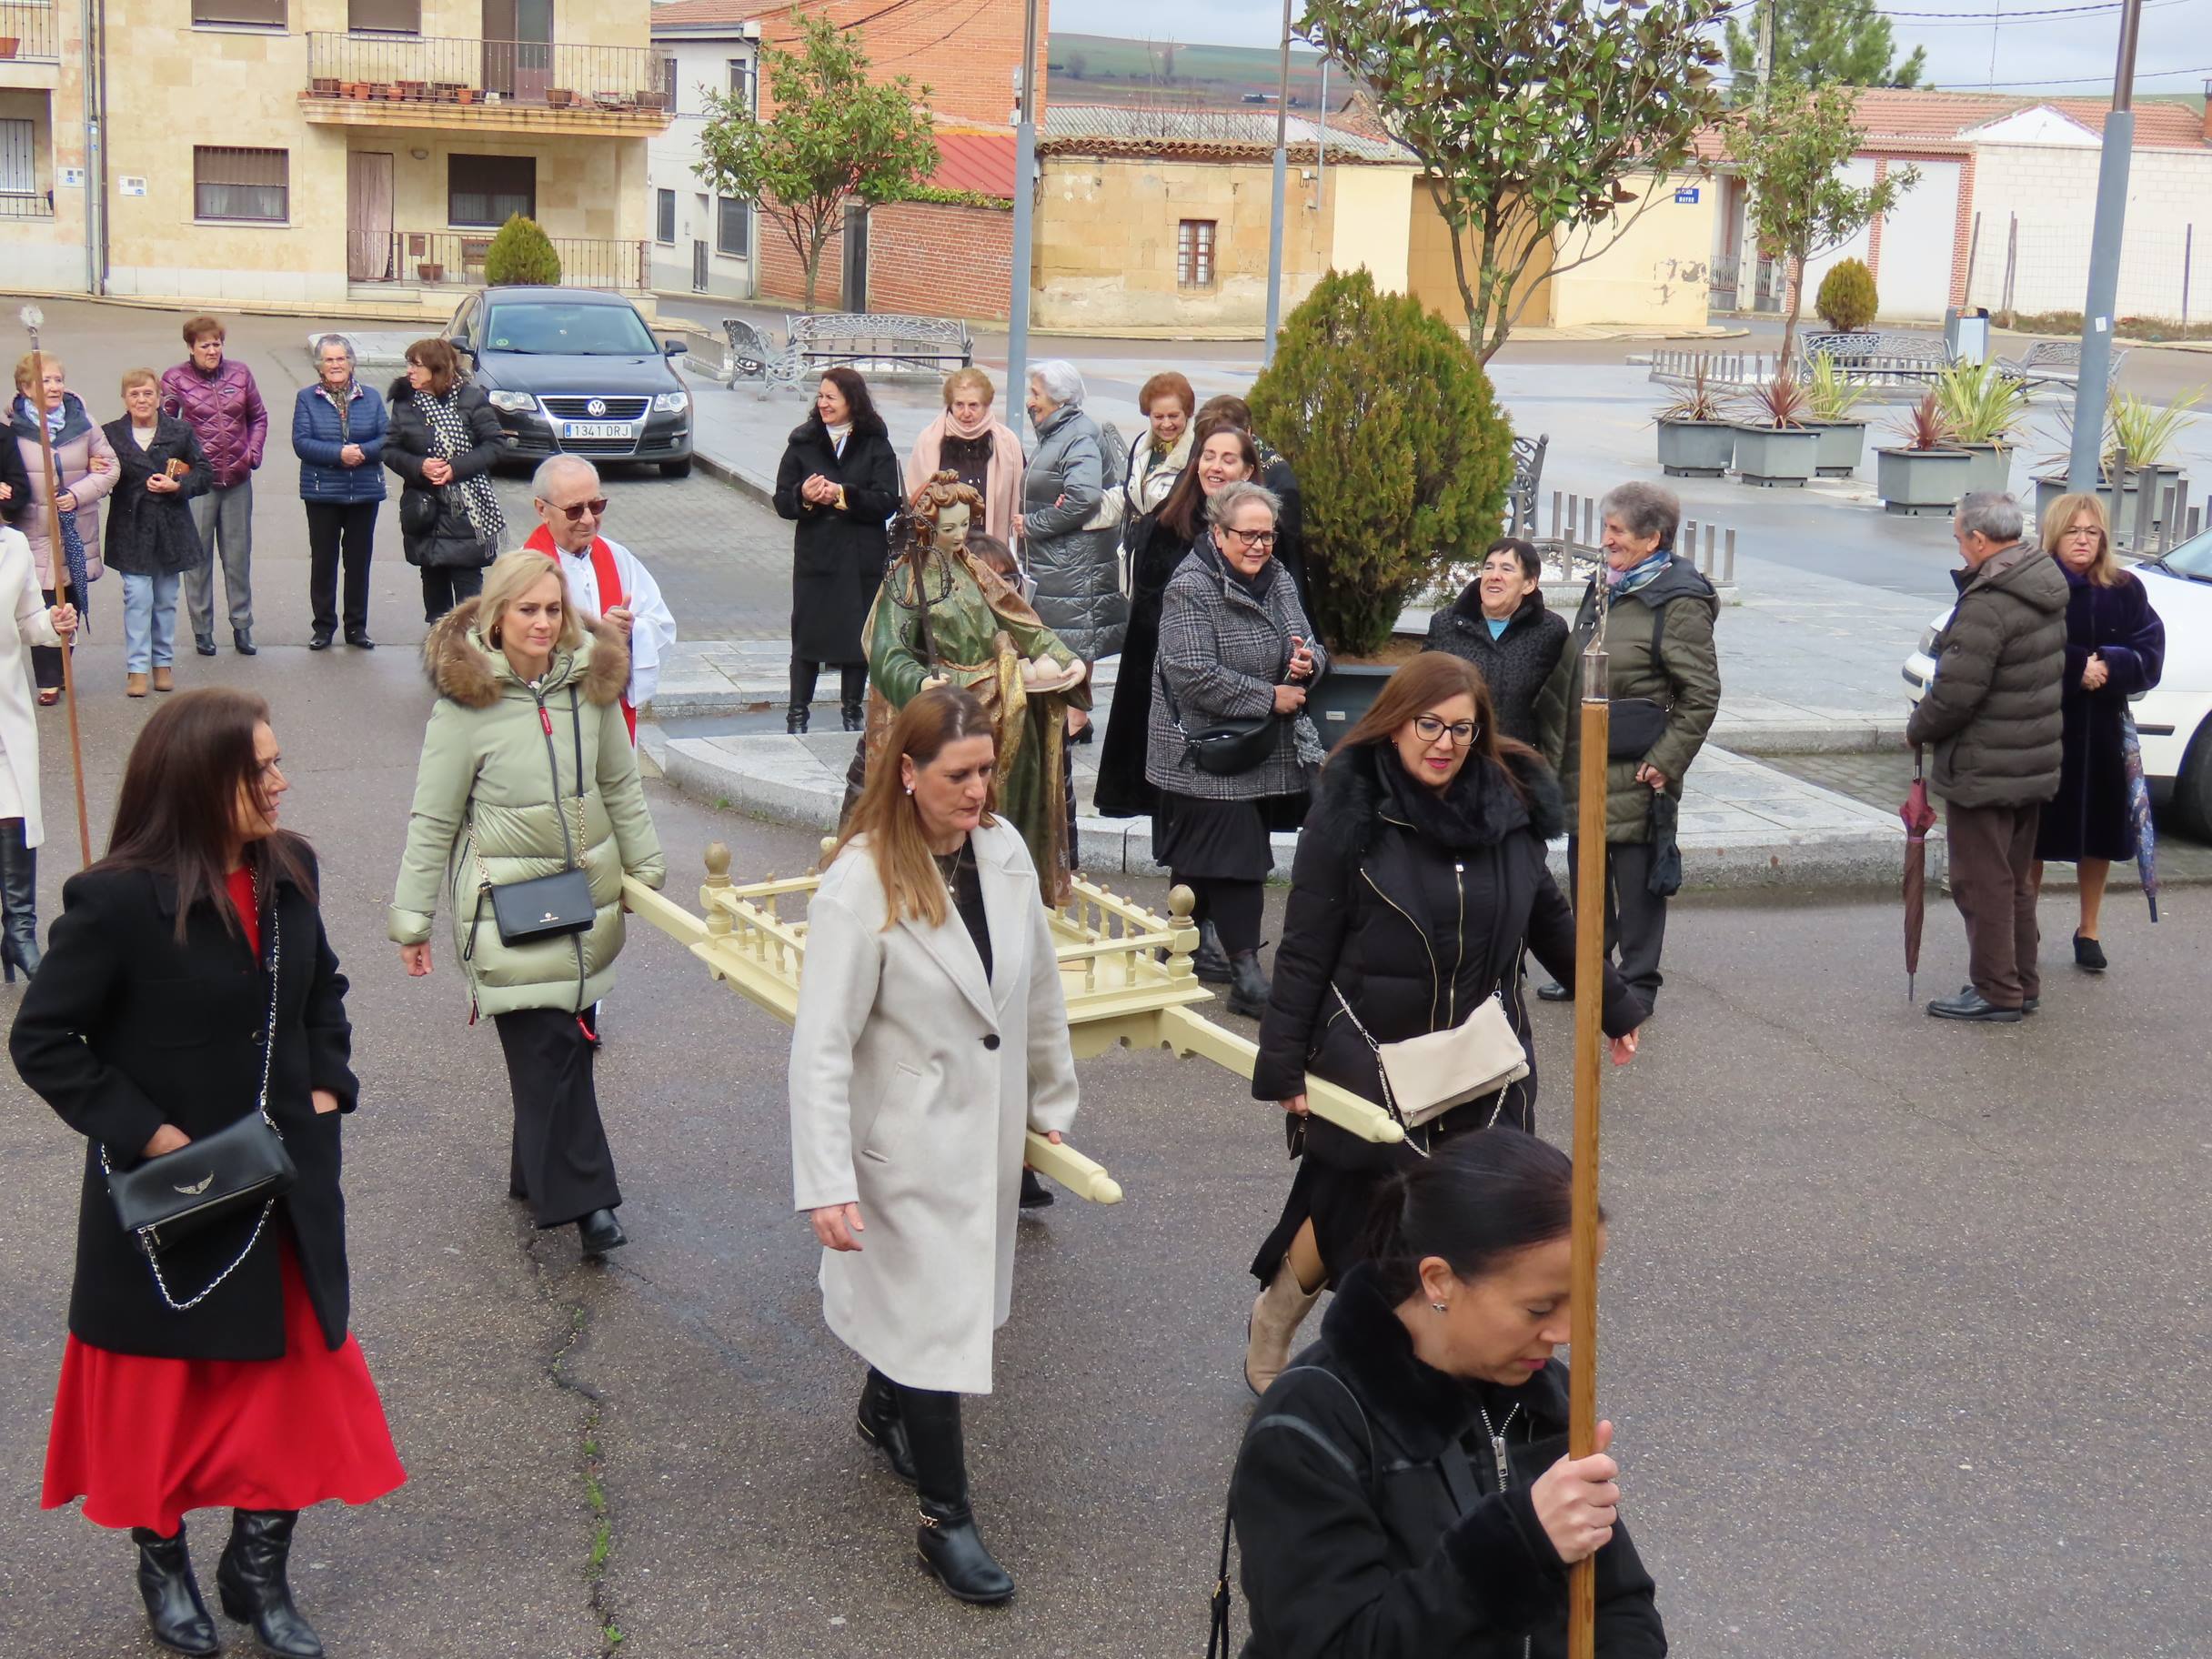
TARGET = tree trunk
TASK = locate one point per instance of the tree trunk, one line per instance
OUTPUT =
(1789, 323)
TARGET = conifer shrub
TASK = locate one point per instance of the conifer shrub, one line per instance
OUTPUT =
(521, 253)
(1847, 299)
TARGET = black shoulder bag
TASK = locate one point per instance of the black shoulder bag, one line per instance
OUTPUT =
(169, 1199)
(555, 906)
(1639, 722)
(1232, 747)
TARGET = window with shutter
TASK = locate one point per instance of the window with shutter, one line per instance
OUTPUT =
(489, 190)
(262, 14)
(384, 16)
(732, 227)
(664, 217)
(253, 186)
(1194, 254)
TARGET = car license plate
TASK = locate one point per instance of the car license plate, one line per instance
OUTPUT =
(598, 428)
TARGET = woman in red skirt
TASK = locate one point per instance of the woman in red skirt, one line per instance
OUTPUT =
(219, 1374)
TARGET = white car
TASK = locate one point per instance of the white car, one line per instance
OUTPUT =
(2175, 717)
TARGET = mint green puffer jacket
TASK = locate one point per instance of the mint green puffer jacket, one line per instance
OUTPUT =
(487, 808)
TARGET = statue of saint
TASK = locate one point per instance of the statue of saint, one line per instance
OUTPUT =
(943, 616)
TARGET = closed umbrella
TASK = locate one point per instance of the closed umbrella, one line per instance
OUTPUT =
(1919, 819)
(2138, 810)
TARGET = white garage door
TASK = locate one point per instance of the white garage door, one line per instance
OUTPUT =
(1919, 238)
(1859, 173)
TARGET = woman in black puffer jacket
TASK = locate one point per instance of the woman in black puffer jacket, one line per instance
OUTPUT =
(443, 441)
(1420, 880)
(1501, 624)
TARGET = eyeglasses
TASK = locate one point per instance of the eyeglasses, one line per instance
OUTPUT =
(1430, 729)
(1263, 540)
(596, 506)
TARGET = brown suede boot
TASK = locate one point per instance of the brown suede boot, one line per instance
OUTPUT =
(164, 679)
(1281, 1309)
(134, 685)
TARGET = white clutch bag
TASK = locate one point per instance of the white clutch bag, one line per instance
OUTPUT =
(1426, 1076)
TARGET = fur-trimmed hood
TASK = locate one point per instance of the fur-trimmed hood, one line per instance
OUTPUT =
(462, 667)
(1352, 797)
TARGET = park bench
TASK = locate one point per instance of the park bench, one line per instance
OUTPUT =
(751, 355)
(1877, 357)
(2052, 363)
(880, 343)
(1521, 494)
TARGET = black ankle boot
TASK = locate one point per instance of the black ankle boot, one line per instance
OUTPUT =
(173, 1611)
(18, 901)
(880, 1426)
(856, 716)
(1248, 986)
(795, 719)
(1210, 962)
(250, 1579)
(949, 1544)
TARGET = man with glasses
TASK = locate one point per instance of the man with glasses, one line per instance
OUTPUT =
(606, 581)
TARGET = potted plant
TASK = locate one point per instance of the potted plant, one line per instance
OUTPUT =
(2144, 432)
(1983, 405)
(1384, 413)
(1773, 447)
(325, 85)
(9, 44)
(1926, 473)
(467, 95)
(1696, 439)
(1833, 396)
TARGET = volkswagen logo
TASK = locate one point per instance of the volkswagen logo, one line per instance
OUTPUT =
(596, 408)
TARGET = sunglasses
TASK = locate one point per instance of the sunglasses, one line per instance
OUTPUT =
(596, 506)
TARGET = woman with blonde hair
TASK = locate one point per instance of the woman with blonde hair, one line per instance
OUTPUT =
(85, 464)
(527, 772)
(932, 1034)
(968, 440)
(2115, 647)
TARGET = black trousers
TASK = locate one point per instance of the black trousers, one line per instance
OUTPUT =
(340, 532)
(1635, 918)
(446, 586)
(47, 660)
(1234, 908)
(561, 1161)
(851, 681)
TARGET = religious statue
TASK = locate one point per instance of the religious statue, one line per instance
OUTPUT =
(943, 616)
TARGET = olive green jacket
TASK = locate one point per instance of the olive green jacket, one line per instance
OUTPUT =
(1684, 679)
(492, 795)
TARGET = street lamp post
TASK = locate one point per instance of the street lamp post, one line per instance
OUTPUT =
(2086, 464)
(1017, 287)
(1275, 224)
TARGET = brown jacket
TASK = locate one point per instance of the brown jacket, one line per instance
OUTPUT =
(1992, 710)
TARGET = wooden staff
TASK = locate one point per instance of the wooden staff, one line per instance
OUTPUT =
(1597, 717)
(61, 576)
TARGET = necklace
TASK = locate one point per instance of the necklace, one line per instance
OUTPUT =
(948, 869)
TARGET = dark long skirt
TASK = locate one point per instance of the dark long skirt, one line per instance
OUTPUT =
(561, 1161)
(1222, 840)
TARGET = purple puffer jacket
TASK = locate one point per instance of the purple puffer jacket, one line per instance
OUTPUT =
(225, 412)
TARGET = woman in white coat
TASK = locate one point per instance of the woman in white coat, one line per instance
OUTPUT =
(932, 1034)
(21, 830)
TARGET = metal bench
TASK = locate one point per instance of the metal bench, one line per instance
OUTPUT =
(751, 355)
(1878, 358)
(876, 343)
(1521, 494)
(2052, 363)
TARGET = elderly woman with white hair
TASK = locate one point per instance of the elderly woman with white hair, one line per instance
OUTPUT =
(337, 432)
(1663, 677)
(1069, 518)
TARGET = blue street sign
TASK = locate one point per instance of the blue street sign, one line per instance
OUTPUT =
(1688, 194)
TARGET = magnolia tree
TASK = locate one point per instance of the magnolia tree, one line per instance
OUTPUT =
(832, 136)
(1530, 116)
(1792, 153)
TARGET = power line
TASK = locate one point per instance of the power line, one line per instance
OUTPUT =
(2007, 19)
(2076, 80)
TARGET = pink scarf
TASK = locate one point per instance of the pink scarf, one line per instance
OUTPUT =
(1002, 480)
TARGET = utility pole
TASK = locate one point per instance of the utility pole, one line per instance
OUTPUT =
(1762, 72)
(1274, 227)
(2088, 462)
(1025, 194)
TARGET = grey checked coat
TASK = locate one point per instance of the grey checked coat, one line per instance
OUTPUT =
(1221, 655)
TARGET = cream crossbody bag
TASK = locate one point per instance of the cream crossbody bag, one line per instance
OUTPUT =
(1426, 1076)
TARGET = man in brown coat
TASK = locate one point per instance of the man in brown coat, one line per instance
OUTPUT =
(1992, 711)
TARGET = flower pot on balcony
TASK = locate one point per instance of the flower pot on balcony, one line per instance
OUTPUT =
(559, 97)
(467, 95)
(1776, 457)
(445, 92)
(1841, 444)
(8, 44)
(411, 91)
(430, 270)
(354, 89)
(1695, 448)
(1992, 469)
(325, 85)
(652, 100)
(1920, 483)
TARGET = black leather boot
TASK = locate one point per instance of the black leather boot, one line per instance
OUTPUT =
(173, 1611)
(251, 1581)
(856, 716)
(600, 1232)
(1248, 986)
(18, 902)
(950, 1545)
(795, 719)
(880, 1425)
(1209, 962)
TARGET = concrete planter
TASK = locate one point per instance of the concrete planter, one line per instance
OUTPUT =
(1776, 457)
(1991, 469)
(1920, 483)
(1695, 448)
(1343, 694)
(1842, 442)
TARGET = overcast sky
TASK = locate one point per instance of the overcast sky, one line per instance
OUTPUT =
(2032, 51)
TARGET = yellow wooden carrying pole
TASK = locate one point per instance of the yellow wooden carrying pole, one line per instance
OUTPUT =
(1597, 717)
(61, 588)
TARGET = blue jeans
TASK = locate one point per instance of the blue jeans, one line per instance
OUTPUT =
(149, 621)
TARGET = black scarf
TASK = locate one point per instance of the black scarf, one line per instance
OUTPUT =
(1477, 808)
(1255, 585)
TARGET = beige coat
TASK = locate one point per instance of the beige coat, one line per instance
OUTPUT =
(25, 621)
(912, 1082)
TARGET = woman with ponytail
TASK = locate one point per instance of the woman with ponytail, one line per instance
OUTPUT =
(1405, 1490)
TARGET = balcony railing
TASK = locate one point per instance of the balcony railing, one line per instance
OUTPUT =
(411, 69)
(33, 25)
(38, 205)
(456, 258)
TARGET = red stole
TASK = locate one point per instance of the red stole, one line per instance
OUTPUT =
(610, 582)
